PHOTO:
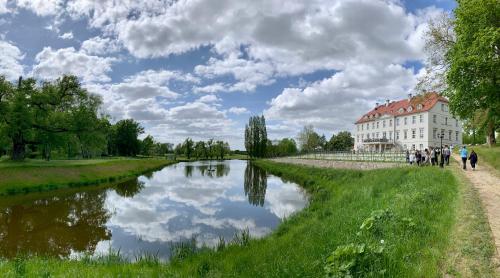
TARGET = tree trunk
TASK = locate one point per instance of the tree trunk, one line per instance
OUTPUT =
(18, 148)
(490, 129)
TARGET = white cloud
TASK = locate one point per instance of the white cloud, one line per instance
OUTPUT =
(238, 110)
(335, 103)
(10, 61)
(67, 36)
(100, 46)
(209, 99)
(51, 64)
(3, 7)
(41, 7)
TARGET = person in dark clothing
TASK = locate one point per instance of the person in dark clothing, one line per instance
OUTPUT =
(473, 159)
(418, 157)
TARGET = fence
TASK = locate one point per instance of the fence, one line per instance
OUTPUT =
(392, 156)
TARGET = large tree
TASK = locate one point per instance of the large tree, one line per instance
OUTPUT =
(464, 51)
(343, 141)
(45, 115)
(256, 136)
(309, 140)
(126, 141)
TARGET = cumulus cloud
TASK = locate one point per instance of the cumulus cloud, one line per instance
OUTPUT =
(100, 46)
(238, 110)
(3, 7)
(52, 63)
(10, 61)
(41, 7)
(66, 36)
(335, 103)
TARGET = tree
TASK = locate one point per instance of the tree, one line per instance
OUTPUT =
(200, 150)
(46, 116)
(221, 149)
(467, 48)
(188, 147)
(343, 141)
(309, 140)
(147, 145)
(256, 136)
(126, 137)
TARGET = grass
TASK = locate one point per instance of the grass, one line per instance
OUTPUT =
(401, 222)
(39, 176)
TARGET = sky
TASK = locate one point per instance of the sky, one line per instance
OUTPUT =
(201, 68)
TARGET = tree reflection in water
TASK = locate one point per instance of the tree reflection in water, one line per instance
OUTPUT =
(129, 188)
(54, 226)
(208, 170)
(255, 184)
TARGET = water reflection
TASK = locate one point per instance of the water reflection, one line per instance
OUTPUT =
(145, 215)
(255, 185)
(56, 226)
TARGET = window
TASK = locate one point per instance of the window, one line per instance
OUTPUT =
(413, 146)
(442, 106)
(442, 133)
(390, 122)
(406, 120)
(421, 118)
(401, 110)
(456, 123)
(449, 135)
(368, 136)
(405, 147)
(410, 109)
(456, 135)
(397, 121)
(357, 138)
(377, 135)
(390, 135)
(405, 134)
(383, 123)
(414, 119)
(367, 126)
(362, 136)
(397, 134)
(373, 125)
(419, 106)
(362, 127)
(373, 134)
(421, 146)
(384, 135)
(445, 120)
(434, 133)
(421, 133)
(434, 119)
(377, 124)
(413, 133)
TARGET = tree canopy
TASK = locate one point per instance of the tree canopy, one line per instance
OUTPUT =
(256, 136)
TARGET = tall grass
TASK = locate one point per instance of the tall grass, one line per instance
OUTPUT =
(390, 222)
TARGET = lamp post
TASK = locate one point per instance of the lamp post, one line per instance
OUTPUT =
(441, 161)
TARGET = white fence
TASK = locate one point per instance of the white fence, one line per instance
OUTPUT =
(355, 156)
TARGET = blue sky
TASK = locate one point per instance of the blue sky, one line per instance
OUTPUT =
(201, 68)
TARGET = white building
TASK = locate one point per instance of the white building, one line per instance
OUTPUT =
(413, 123)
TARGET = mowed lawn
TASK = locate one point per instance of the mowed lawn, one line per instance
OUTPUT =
(39, 175)
(399, 222)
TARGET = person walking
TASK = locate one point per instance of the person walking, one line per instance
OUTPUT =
(473, 159)
(407, 156)
(433, 156)
(463, 155)
(412, 158)
(446, 153)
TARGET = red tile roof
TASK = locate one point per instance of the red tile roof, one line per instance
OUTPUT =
(428, 100)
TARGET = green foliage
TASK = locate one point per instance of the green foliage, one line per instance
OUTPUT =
(284, 147)
(309, 140)
(343, 141)
(124, 139)
(256, 136)
(355, 260)
(473, 76)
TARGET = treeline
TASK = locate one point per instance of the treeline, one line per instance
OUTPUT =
(203, 150)
(258, 145)
(62, 118)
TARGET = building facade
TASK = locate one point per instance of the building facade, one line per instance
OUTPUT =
(415, 123)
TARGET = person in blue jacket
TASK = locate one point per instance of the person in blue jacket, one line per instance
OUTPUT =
(463, 155)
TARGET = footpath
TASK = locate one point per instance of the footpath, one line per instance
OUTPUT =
(487, 182)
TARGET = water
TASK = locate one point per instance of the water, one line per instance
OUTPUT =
(149, 214)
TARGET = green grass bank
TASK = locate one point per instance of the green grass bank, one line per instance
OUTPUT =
(402, 222)
(39, 176)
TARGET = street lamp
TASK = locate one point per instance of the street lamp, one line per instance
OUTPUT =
(441, 162)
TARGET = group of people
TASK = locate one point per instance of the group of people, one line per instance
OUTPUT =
(433, 156)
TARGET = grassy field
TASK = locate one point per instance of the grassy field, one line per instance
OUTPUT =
(488, 155)
(38, 175)
(402, 222)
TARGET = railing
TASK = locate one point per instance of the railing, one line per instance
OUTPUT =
(377, 140)
(388, 156)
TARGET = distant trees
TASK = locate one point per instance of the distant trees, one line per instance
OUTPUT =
(203, 150)
(123, 139)
(283, 147)
(343, 141)
(256, 136)
(311, 141)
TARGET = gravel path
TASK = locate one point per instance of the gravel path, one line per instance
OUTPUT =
(487, 183)
(357, 165)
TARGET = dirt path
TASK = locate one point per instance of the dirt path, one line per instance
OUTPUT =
(487, 182)
(338, 164)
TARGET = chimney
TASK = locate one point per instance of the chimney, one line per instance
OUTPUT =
(376, 105)
(387, 102)
(409, 97)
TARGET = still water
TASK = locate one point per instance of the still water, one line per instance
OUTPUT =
(147, 215)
